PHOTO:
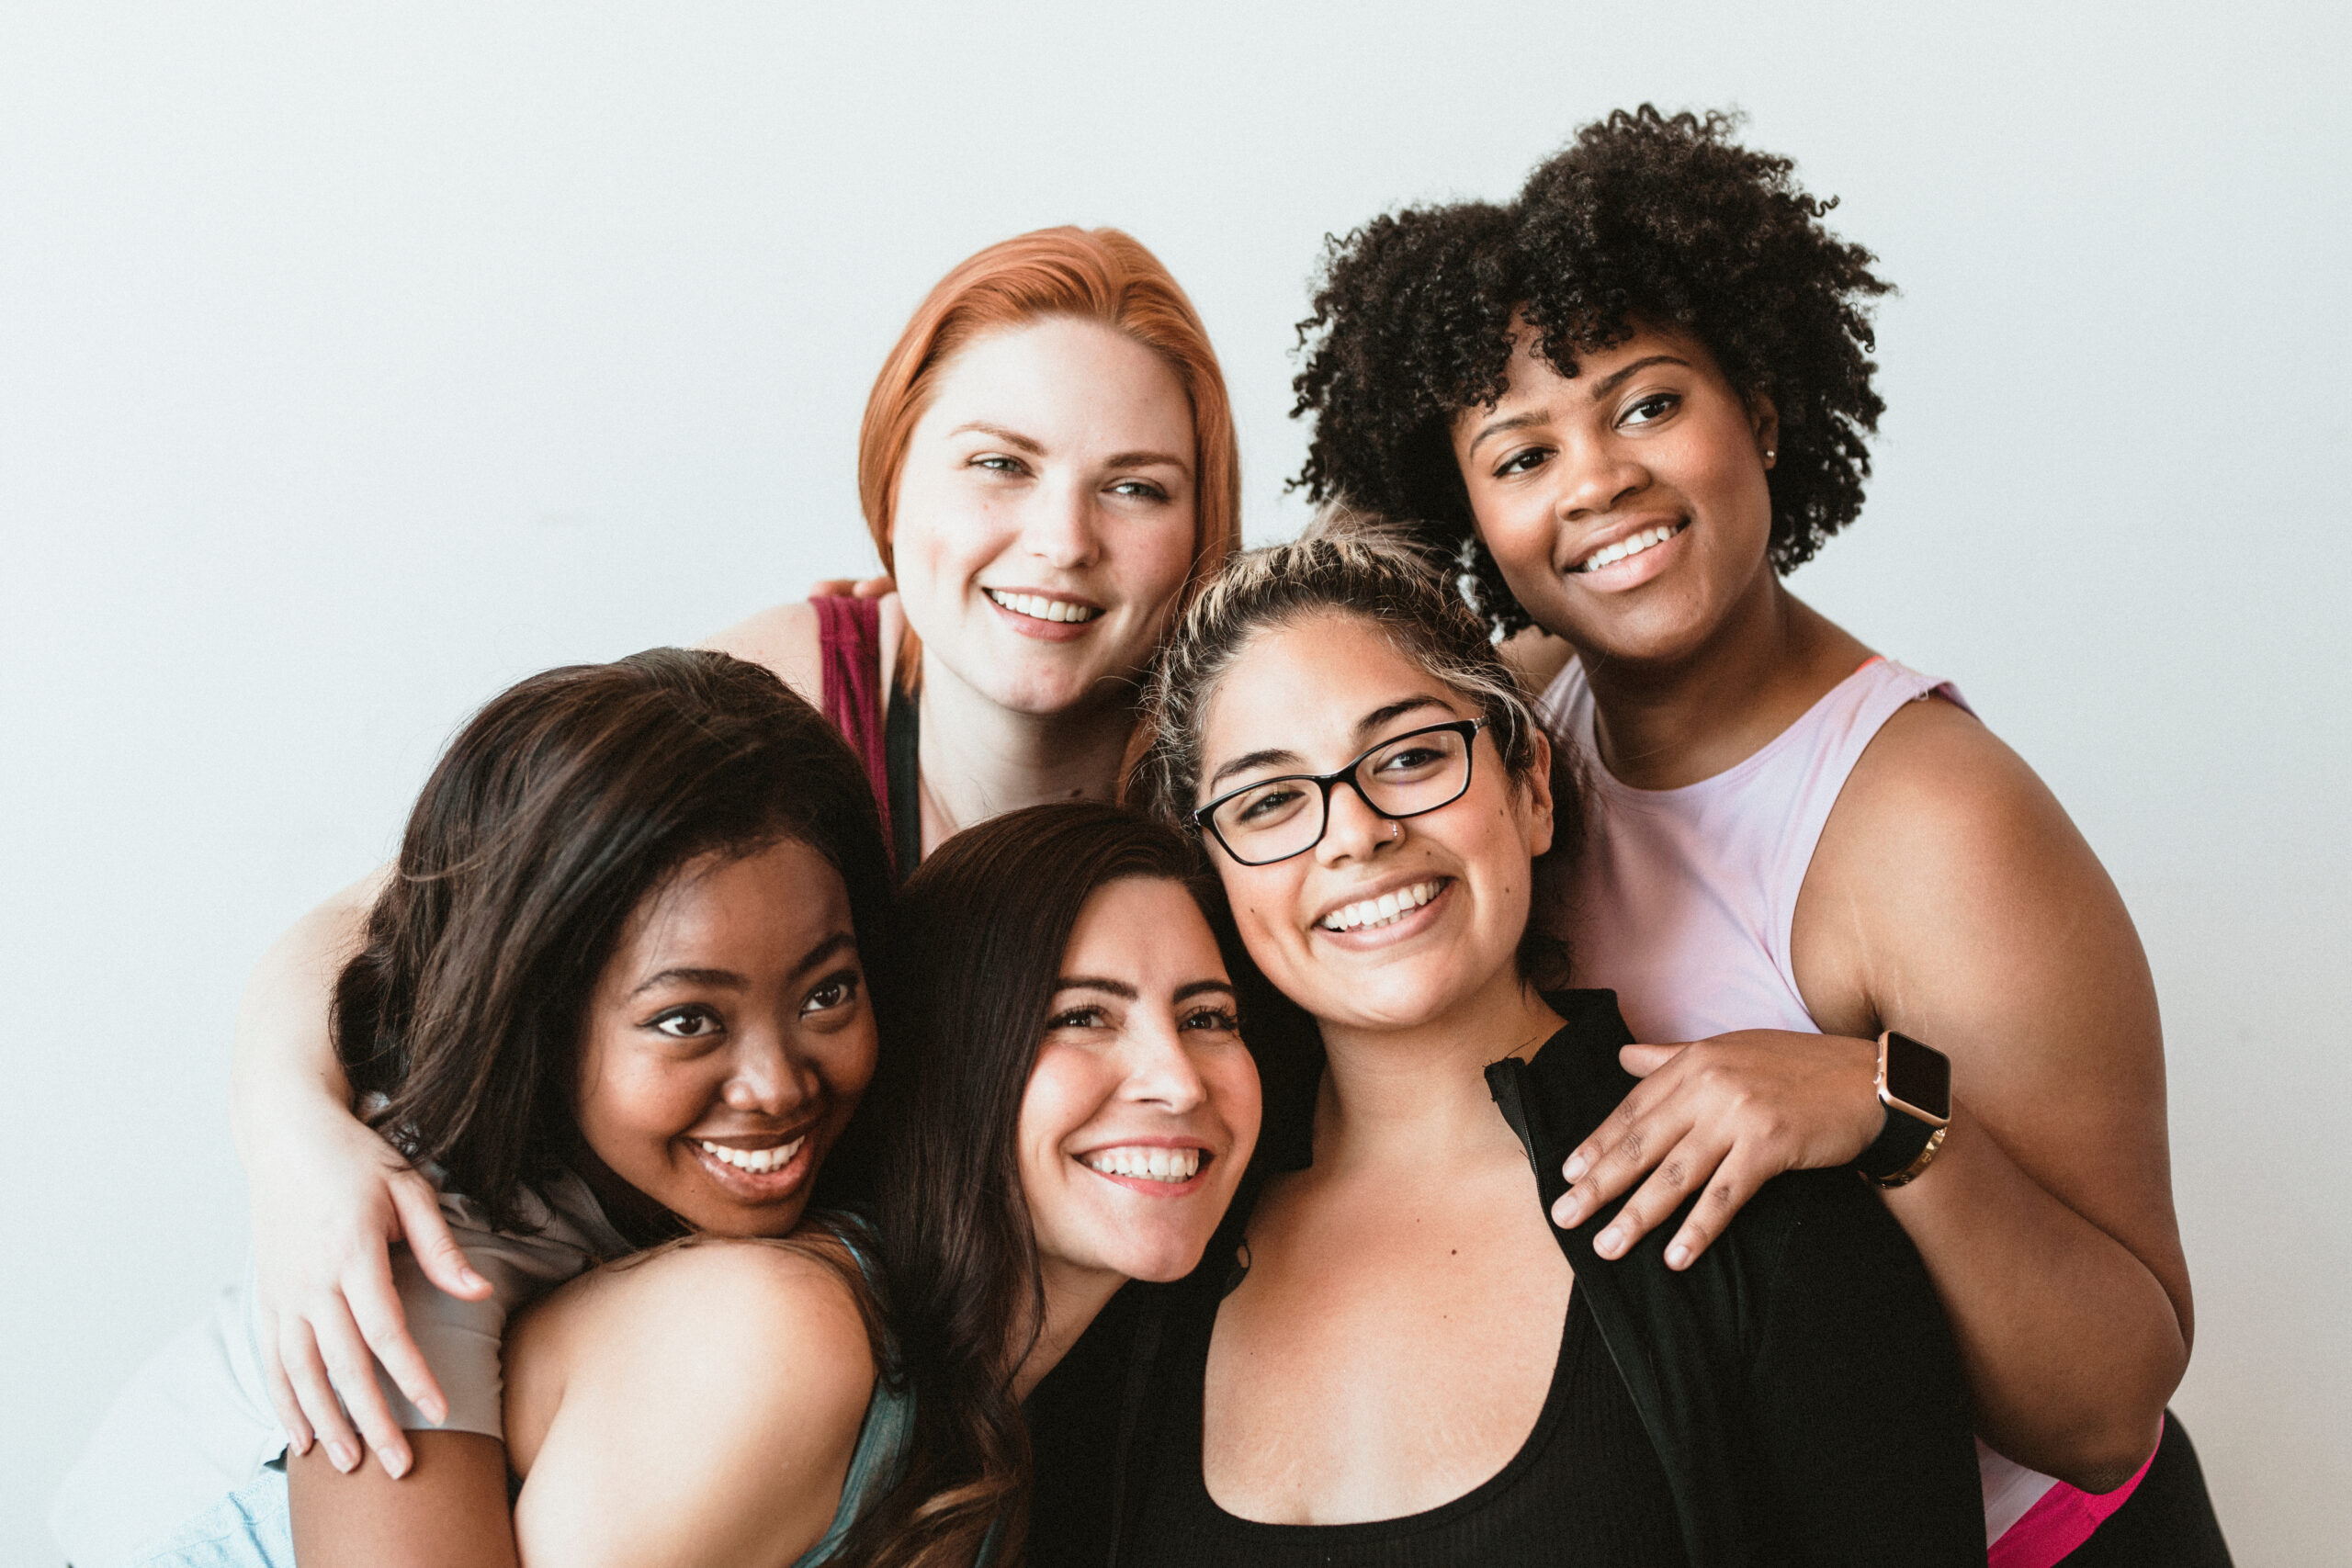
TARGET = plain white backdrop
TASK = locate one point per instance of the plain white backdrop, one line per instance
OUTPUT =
(356, 360)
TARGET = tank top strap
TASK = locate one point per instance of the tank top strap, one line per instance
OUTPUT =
(849, 638)
(1810, 762)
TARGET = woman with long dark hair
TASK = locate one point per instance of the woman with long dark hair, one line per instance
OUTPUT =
(1634, 399)
(613, 993)
(1047, 462)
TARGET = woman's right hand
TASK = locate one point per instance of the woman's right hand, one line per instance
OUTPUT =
(329, 1200)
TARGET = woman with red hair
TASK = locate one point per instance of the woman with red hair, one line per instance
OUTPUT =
(1048, 467)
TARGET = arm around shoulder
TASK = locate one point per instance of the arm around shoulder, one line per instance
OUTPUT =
(712, 1393)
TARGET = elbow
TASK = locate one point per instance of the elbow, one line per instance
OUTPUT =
(2106, 1445)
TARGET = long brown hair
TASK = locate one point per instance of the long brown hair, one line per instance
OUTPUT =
(989, 918)
(1096, 275)
(558, 808)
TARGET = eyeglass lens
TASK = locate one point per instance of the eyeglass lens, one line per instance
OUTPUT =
(1282, 817)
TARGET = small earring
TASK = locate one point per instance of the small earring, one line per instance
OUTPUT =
(1396, 829)
(1768, 454)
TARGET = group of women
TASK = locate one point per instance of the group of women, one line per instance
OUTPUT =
(1127, 1050)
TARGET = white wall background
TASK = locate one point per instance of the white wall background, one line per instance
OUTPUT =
(354, 361)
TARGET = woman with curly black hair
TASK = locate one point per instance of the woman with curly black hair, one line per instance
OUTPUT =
(1631, 400)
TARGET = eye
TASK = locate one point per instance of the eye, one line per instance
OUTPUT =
(832, 994)
(1651, 409)
(1524, 461)
(998, 463)
(1078, 1018)
(1268, 805)
(695, 1022)
(1412, 759)
(1139, 490)
(1211, 1020)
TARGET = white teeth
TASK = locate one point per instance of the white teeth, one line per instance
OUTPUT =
(758, 1162)
(1038, 607)
(1609, 555)
(1383, 910)
(1170, 1165)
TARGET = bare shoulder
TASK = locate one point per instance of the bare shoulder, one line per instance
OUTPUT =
(784, 639)
(691, 1317)
(1935, 777)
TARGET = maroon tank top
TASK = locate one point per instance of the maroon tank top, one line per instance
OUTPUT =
(849, 635)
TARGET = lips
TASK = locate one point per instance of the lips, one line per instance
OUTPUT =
(1627, 546)
(1052, 608)
(758, 1169)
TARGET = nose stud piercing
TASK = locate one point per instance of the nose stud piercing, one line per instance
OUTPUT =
(1395, 831)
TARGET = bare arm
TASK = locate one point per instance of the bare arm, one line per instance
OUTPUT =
(329, 1198)
(1951, 898)
(449, 1511)
(711, 1395)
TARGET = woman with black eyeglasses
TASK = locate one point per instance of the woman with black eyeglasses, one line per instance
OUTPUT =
(1395, 1358)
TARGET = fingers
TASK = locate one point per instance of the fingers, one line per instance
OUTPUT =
(874, 588)
(1734, 1182)
(1643, 1060)
(375, 1305)
(299, 1435)
(1619, 1152)
(353, 1371)
(437, 1253)
(299, 1358)
(832, 588)
(1683, 1172)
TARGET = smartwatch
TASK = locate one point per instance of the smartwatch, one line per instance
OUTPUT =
(1914, 1086)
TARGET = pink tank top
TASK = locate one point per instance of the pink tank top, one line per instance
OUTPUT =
(1683, 905)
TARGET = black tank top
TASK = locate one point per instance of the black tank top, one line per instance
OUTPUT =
(1586, 1487)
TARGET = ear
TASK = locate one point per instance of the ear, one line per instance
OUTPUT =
(1540, 819)
(1764, 420)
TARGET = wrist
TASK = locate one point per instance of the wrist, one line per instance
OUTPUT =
(1913, 1090)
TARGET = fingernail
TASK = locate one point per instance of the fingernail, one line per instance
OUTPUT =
(1677, 1256)
(395, 1464)
(1574, 1170)
(1610, 1242)
(343, 1457)
(434, 1411)
(473, 1280)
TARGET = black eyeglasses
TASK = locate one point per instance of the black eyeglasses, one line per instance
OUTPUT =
(1276, 818)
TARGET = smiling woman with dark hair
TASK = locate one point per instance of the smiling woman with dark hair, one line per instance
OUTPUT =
(1631, 400)
(1407, 1364)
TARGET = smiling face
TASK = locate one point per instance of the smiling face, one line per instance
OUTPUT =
(1143, 1105)
(727, 1042)
(1627, 508)
(1044, 515)
(1309, 698)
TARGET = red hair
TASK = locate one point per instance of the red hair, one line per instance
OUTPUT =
(1093, 275)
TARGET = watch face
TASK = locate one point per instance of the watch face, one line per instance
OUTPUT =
(1918, 1074)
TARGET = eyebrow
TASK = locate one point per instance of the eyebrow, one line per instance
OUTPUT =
(1036, 448)
(1617, 378)
(1507, 424)
(1096, 983)
(728, 980)
(1203, 987)
(1277, 756)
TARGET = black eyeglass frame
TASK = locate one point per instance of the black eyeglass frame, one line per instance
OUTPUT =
(1203, 818)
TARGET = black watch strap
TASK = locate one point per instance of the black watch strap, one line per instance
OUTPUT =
(1899, 1141)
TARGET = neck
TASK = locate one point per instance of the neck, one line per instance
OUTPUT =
(1416, 1096)
(1073, 1297)
(1666, 723)
(981, 758)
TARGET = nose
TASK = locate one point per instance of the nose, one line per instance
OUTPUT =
(767, 1078)
(1351, 829)
(1160, 1073)
(1061, 524)
(1602, 475)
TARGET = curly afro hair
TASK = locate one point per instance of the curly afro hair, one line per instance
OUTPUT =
(1643, 219)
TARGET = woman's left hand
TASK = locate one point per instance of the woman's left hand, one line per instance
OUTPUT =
(1727, 1114)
